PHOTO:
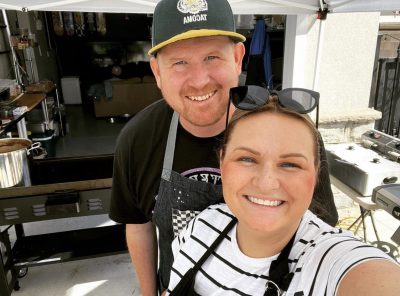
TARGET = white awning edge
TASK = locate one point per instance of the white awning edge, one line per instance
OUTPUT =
(142, 2)
(147, 6)
(284, 7)
(45, 6)
(363, 5)
(11, 7)
(312, 8)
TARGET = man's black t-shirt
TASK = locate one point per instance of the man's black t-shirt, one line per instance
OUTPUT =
(139, 158)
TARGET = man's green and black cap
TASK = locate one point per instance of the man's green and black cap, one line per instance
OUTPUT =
(175, 20)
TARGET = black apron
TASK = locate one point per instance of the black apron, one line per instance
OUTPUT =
(178, 201)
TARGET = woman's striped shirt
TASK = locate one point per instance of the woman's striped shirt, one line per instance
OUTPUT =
(320, 257)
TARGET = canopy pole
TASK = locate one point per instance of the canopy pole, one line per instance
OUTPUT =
(318, 55)
(321, 4)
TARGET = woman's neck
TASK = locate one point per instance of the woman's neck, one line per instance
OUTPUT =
(260, 244)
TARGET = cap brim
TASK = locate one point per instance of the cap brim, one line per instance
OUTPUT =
(197, 33)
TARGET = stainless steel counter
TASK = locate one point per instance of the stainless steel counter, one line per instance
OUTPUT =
(19, 205)
(51, 188)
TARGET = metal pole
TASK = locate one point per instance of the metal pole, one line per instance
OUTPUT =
(380, 62)
(396, 84)
(393, 92)
(59, 113)
(45, 113)
(29, 56)
(18, 76)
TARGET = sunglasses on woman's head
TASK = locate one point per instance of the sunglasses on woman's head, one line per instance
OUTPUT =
(251, 97)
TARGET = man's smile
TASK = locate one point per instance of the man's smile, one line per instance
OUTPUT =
(202, 97)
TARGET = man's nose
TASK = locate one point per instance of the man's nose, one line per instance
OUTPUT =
(199, 76)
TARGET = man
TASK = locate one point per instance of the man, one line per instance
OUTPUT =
(196, 58)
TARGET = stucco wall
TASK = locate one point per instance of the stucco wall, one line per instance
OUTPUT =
(335, 57)
(347, 61)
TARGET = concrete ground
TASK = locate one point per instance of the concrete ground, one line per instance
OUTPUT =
(105, 276)
(102, 276)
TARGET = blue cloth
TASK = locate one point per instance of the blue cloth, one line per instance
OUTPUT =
(260, 46)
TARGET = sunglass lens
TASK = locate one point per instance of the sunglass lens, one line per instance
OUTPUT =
(249, 97)
(238, 94)
(298, 100)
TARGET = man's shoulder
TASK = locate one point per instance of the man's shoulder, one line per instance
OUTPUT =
(149, 122)
(158, 108)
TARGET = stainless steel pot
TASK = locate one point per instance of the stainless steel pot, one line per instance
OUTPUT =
(13, 153)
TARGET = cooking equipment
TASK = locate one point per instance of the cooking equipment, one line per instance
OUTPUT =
(37, 128)
(388, 198)
(6, 109)
(361, 168)
(13, 153)
(384, 144)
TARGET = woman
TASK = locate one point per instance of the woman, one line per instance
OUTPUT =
(269, 167)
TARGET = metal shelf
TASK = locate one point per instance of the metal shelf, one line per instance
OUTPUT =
(28, 100)
(72, 245)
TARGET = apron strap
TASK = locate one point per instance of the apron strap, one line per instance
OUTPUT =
(280, 277)
(215, 244)
(170, 148)
(186, 285)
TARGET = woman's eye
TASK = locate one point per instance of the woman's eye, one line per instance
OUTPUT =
(247, 159)
(290, 165)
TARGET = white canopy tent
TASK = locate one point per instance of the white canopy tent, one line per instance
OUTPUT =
(286, 7)
(242, 7)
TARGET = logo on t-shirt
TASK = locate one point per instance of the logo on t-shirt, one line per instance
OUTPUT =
(205, 174)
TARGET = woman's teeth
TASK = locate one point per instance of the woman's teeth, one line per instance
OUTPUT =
(201, 98)
(264, 202)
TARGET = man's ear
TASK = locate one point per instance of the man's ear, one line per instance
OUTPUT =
(239, 54)
(156, 70)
